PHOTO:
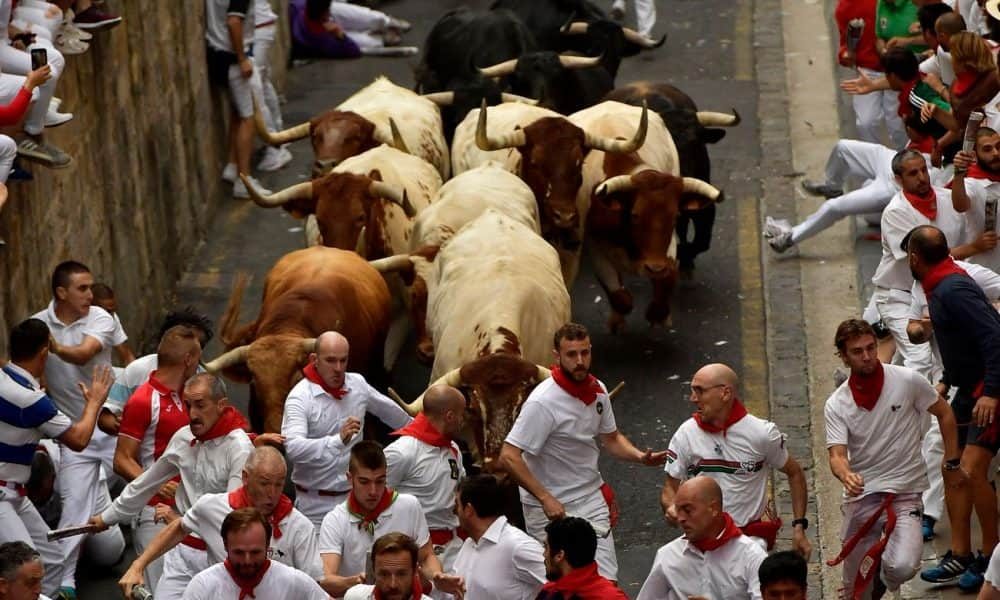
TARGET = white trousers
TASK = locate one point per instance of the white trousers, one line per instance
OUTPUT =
(871, 109)
(315, 507)
(447, 555)
(893, 307)
(243, 89)
(263, 40)
(852, 160)
(358, 22)
(43, 22)
(180, 564)
(18, 62)
(932, 450)
(592, 508)
(20, 522)
(901, 557)
(144, 529)
(8, 152)
(645, 15)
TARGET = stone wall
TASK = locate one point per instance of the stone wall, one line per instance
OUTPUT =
(149, 142)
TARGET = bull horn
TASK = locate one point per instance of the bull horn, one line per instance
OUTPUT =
(395, 194)
(693, 185)
(411, 409)
(574, 28)
(506, 97)
(362, 243)
(618, 183)
(313, 235)
(622, 146)
(452, 378)
(391, 264)
(308, 344)
(237, 355)
(299, 190)
(500, 69)
(441, 98)
(485, 142)
(397, 138)
(277, 138)
(615, 390)
(543, 372)
(579, 62)
(638, 39)
(718, 119)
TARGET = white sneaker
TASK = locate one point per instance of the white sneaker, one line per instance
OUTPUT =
(70, 46)
(55, 103)
(274, 159)
(54, 118)
(68, 27)
(240, 190)
(230, 174)
(778, 233)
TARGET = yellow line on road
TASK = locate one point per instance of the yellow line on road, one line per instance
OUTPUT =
(743, 42)
(754, 372)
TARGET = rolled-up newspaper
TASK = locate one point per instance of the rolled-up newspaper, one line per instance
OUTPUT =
(854, 29)
(991, 215)
(66, 532)
(975, 120)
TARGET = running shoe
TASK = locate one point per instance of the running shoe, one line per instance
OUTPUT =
(973, 578)
(948, 570)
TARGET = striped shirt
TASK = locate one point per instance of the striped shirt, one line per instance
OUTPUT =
(27, 415)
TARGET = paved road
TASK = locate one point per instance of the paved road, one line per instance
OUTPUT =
(708, 53)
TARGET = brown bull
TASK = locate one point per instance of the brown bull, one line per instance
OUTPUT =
(306, 293)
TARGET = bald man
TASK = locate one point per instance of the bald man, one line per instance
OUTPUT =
(723, 441)
(425, 462)
(713, 559)
(324, 415)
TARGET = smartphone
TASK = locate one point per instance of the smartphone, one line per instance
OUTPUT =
(39, 58)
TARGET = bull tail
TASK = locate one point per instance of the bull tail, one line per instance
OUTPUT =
(230, 334)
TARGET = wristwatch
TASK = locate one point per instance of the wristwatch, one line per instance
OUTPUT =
(953, 464)
(804, 522)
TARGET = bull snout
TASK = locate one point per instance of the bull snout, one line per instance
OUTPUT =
(322, 167)
(564, 218)
(658, 269)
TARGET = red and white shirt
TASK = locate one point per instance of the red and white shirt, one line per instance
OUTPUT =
(152, 416)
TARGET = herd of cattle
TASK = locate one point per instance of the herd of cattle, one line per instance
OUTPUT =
(460, 210)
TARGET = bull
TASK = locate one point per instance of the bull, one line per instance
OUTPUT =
(692, 131)
(380, 113)
(634, 202)
(306, 293)
(560, 82)
(546, 151)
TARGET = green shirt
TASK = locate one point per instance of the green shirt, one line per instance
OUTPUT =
(894, 20)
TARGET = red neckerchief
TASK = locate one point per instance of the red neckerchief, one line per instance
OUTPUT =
(418, 588)
(937, 273)
(230, 420)
(729, 532)
(585, 391)
(977, 172)
(963, 83)
(240, 499)
(422, 429)
(370, 518)
(867, 389)
(925, 205)
(905, 108)
(313, 375)
(925, 145)
(737, 412)
(247, 586)
(586, 584)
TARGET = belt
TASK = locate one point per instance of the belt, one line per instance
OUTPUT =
(440, 537)
(17, 487)
(320, 492)
(193, 542)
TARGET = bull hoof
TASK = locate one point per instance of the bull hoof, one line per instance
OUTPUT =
(616, 323)
(658, 314)
(621, 301)
(425, 352)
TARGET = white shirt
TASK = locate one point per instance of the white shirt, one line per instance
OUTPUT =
(898, 218)
(61, 377)
(296, 547)
(740, 460)
(206, 467)
(135, 374)
(680, 570)
(27, 415)
(280, 582)
(556, 432)
(505, 564)
(986, 279)
(979, 192)
(429, 474)
(367, 592)
(340, 534)
(883, 445)
(311, 426)
(216, 30)
(940, 65)
(992, 571)
(119, 336)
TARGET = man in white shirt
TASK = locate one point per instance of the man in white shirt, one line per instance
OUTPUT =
(293, 539)
(31, 415)
(712, 560)
(209, 455)
(976, 191)
(394, 560)
(426, 463)
(497, 561)
(874, 427)
(21, 572)
(551, 452)
(721, 440)
(370, 511)
(323, 419)
(247, 571)
(82, 339)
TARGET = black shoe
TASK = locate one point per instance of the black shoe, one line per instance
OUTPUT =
(18, 173)
(821, 188)
(878, 587)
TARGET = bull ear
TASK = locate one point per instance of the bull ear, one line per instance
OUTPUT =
(711, 135)
(375, 175)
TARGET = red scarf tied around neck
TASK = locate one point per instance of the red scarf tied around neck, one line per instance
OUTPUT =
(584, 583)
(230, 420)
(313, 375)
(977, 172)
(925, 205)
(370, 518)
(867, 389)
(937, 274)
(963, 83)
(417, 589)
(240, 499)
(585, 391)
(729, 532)
(422, 429)
(247, 586)
(737, 412)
